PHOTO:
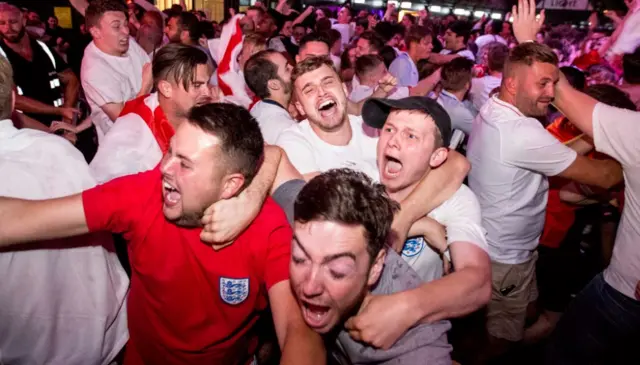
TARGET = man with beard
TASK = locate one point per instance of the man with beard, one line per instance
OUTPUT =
(47, 88)
(339, 261)
(115, 69)
(183, 28)
(511, 155)
(140, 136)
(268, 75)
(189, 302)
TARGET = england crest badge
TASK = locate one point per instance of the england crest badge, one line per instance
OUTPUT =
(413, 246)
(234, 291)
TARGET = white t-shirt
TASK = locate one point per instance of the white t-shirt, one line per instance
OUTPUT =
(404, 70)
(361, 92)
(511, 156)
(464, 53)
(308, 153)
(129, 148)
(346, 31)
(460, 214)
(483, 40)
(616, 133)
(58, 305)
(481, 88)
(272, 119)
(629, 38)
(111, 79)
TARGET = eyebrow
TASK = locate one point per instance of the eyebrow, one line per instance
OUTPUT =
(326, 259)
(183, 157)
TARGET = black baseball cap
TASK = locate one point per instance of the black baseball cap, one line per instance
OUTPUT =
(375, 112)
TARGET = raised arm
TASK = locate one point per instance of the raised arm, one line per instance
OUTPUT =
(301, 18)
(80, 5)
(35, 220)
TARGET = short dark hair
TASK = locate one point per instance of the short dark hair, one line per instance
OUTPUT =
(314, 37)
(205, 28)
(457, 73)
(426, 68)
(375, 42)
(631, 67)
(363, 22)
(415, 34)
(388, 54)
(240, 137)
(497, 55)
(610, 95)
(352, 199)
(323, 24)
(411, 18)
(332, 35)
(189, 22)
(98, 8)
(311, 64)
(6, 88)
(367, 63)
(258, 71)
(496, 26)
(177, 62)
(559, 46)
(528, 53)
(461, 29)
(576, 78)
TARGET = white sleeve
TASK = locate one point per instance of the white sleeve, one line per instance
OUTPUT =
(629, 38)
(128, 148)
(469, 55)
(102, 87)
(616, 133)
(462, 218)
(530, 146)
(149, 7)
(299, 151)
(400, 69)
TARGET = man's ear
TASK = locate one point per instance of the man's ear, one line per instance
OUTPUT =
(95, 32)
(273, 84)
(438, 157)
(299, 108)
(164, 88)
(231, 185)
(509, 84)
(376, 267)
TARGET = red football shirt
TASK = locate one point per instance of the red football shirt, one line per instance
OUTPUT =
(188, 303)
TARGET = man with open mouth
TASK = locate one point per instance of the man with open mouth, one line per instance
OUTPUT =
(189, 302)
(339, 259)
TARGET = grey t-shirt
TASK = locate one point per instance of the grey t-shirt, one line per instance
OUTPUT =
(285, 195)
(423, 344)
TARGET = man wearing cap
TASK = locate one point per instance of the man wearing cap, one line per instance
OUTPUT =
(413, 140)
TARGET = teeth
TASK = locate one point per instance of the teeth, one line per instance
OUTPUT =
(168, 187)
(326, 103)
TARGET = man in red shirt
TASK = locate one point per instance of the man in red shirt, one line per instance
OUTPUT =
(190, 303)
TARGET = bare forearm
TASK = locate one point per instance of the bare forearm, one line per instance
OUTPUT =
(286, 172)
(455, 295)
(426, 85)
(576, 106)
(441, 59)
(263, 182)
(32, 220)
(71, 91)
(29, 105)
(80, 5)
(27, 122)
(303, 346)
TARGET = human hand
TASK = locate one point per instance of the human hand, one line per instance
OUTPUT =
(64, 126)
(67, 112)
(525, 22)
(226, 219)
(381, 320)
(387, 83)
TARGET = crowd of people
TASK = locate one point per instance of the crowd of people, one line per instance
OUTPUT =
(318, 186)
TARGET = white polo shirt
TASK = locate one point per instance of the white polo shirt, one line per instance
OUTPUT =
(272, 118)
(62, 301)
(511, 156)
(616, 133)
(308, 153)
(460, 214)
(111, 79)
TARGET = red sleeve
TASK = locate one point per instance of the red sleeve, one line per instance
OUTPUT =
(278, 256)
(115, 205)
